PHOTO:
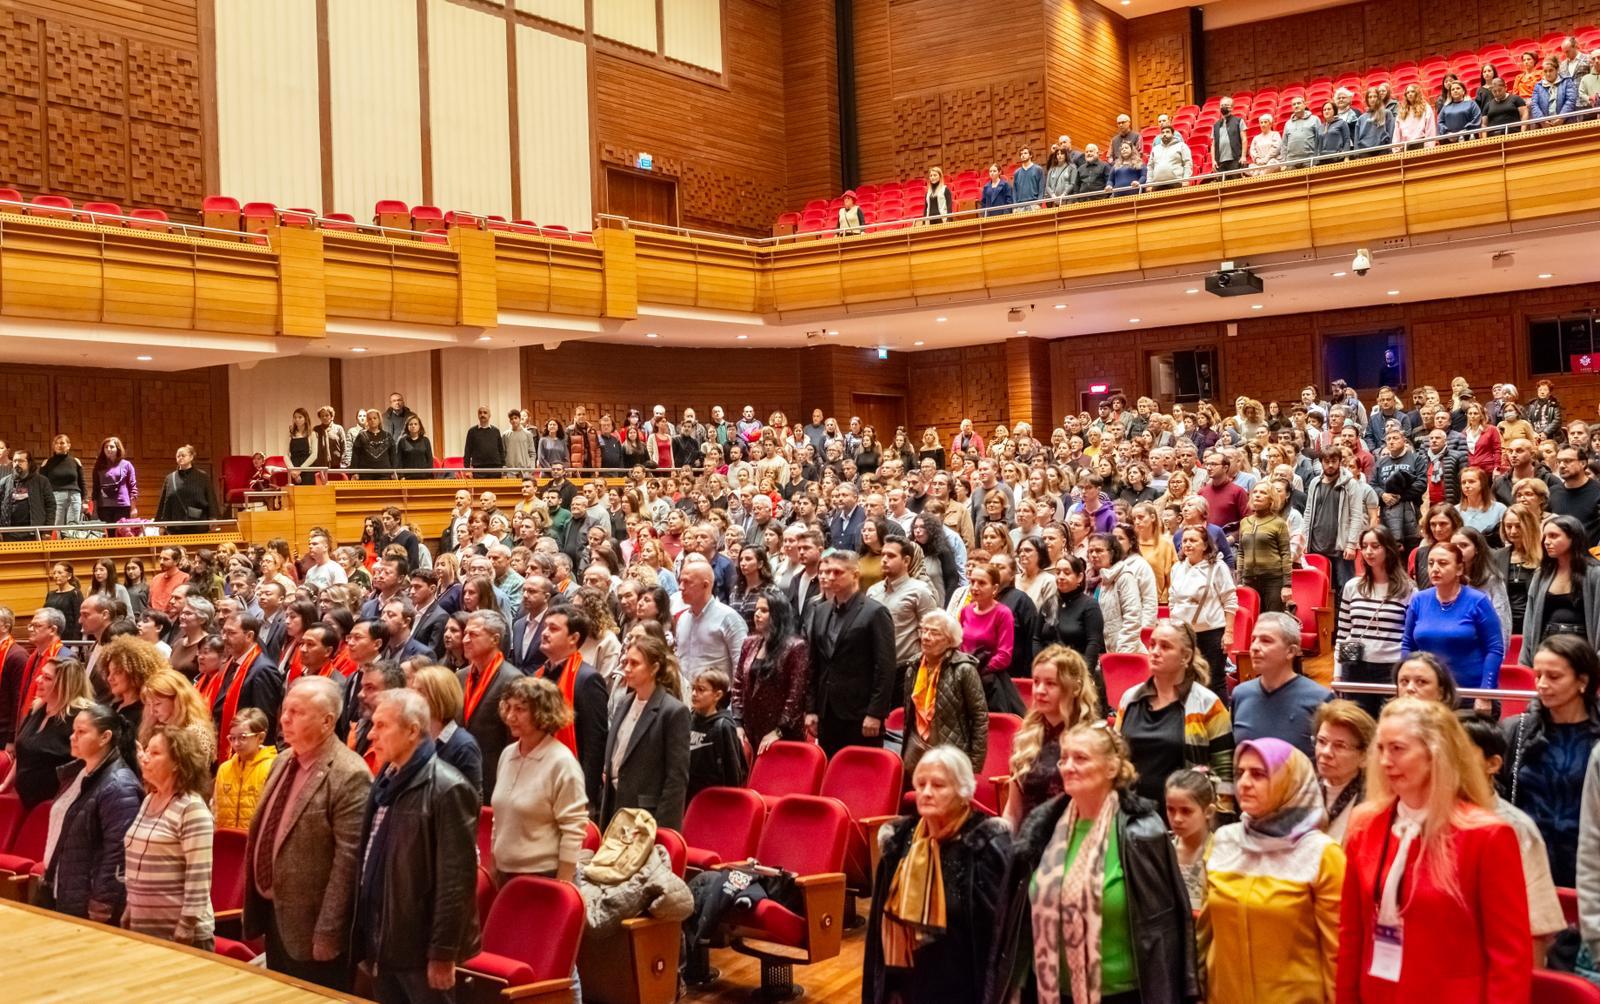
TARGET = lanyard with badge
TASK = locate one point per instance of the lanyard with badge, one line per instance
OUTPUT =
(1388, 934)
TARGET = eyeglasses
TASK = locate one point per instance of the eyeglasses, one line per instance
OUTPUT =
(1336, 746)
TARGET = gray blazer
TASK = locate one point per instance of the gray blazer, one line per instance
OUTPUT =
(1533, 617)
(317, 861)
(655, 767)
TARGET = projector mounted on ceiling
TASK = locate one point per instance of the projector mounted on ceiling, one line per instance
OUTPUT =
(1230, 281)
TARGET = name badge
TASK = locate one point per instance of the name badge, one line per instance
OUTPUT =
(1386, 953)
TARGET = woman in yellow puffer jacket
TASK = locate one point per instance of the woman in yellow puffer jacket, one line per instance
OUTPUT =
(242, 776)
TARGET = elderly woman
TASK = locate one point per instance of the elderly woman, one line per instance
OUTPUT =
(83, 872)
(936, 895)
(1095, 899)
(540, 808)
(167, 850)
(1064, 697)
(1343, 732)
(1274, 884)
(944, 696)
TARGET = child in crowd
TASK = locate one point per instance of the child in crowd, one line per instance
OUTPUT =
(1191, 812)
(716, 754)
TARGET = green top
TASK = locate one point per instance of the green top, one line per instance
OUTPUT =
(1118, 971)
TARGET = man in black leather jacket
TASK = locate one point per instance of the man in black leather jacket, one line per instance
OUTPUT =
(416, 912)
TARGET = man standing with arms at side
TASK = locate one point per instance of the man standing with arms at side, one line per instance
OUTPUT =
(1578, 494)
(907, 599)
(416, 914)
(484, 447)
(301, 858)
(852, 660)
(1335, 518)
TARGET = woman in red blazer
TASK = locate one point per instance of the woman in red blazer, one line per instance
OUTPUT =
(1483, 441)
(1435, 906)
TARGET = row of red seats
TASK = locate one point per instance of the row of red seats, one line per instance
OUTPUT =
(223, 212)
(59, 207)
(902, 200)
(238, 468)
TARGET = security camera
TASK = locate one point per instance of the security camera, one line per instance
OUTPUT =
(1362, 262)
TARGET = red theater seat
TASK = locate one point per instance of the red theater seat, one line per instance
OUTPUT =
(1515, 677)
(54, 207)
(867, 783)
(228, 874)
(515, 966)
(89, 210)
(1562, 988)
(149, 219)
(723, 824)
(788, 768)
(220, 212)
(1123, 671)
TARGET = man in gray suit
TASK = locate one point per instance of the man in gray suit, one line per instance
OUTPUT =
(301, 856)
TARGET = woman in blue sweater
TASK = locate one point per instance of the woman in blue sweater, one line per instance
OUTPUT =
(1127, 171)
(1460, 113)
(1455, 622)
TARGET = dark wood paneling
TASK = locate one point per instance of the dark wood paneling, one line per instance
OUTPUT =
(811, 99)
(724, 144)
(1086, 53)
(1357, 38)
(1160, 64)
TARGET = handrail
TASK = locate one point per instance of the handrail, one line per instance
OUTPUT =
(1585, 117)
(1474, 693)
(105, 528)
(138, 222)
(422, 473)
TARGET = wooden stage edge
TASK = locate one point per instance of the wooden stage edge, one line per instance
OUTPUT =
(49, 957)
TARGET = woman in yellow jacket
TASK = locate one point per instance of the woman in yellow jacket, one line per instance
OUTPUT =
(242, 776)
(1274, 884)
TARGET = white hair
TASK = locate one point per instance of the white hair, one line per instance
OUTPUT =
(943, 620)
(1343, 92)
(956, 764)
(323, 691)
(411, 706)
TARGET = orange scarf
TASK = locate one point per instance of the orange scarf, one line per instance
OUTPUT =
(30, 674)
(343, 662)
(924, 695)
(475, 692)
(568, 683)
(230, 703)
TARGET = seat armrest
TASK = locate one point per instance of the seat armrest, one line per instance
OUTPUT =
(824, 910)
(541, 992)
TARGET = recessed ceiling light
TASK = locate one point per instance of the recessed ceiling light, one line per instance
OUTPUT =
(940, 320)
(358, 349)
(1258, 306)
(145, 359)
(1061, 306)
(1394, 292)
(830, 334)
(1133, 320)
(485, 338)
(742, 337)
(1191, 292)
(1340, 275)
(1127, 3)
(651, 334)
(1021, 331)
(1546, 275)
(918, 343)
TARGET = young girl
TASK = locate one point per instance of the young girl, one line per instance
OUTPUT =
(1191, 811)
(716, 756)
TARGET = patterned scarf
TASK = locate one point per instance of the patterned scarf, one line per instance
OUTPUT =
(914, 913)
(1293, 795)
(1066, 907)
(925, 695)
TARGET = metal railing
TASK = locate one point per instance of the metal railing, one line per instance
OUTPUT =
(1471, 693)
(918, 224)
(80, 215)
(95, 530)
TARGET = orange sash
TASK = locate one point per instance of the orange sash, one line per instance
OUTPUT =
(343, 662)
(485, 677)
(230, 704)
(568, 683)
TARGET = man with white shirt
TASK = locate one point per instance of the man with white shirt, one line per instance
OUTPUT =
(899, 513)
(709, 632)
(323, 570)
(907, 598)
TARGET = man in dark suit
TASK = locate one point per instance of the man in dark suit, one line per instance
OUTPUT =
(274, 632)
(805, 586)
(249, 680)
(566, 628)
(302, 855)
(525, 650)
(399, 616)
(844, 526)
(431, 617)
(483, 681)
(852, 660)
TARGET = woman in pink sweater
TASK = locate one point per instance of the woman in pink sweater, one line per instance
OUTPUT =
(987, 627)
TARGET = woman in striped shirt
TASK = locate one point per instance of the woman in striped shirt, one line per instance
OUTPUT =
(1372, 617)
(167, 850)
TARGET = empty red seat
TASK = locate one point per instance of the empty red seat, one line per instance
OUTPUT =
(486, 893)
(807, 836)
(26, 848)
(1311, 596)
(1515, 677)
(427, 218)
(1551, 987)
(228, 873)
(788, 768)
(238, 951)
(996, 768)
(257, 217)
(92, 209)
(11, 816)
(57, 207)
(338, 221)
(1123, 671)
(150, 219)
(521, 967)
(466, 221)
(301, 218)
(10, 195)
(220, 212)
(867, 782)
(677, 848)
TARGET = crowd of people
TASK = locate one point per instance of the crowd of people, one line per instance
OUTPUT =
(602, 646)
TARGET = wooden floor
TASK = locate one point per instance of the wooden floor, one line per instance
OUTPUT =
(836, 981)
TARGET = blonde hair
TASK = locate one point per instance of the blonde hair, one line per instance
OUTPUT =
(1460, 796)
(1532, 543)
(442, 690)
(189, 708)
(1112, 746)
(1196, 670)
(1080, 700)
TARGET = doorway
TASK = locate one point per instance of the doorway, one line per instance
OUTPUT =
(641, 196)
(884, 412)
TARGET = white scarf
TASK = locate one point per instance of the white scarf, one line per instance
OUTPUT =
(1407, 826)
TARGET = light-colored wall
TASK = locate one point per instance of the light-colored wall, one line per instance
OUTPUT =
(269, 143)
(469, 378)
(262, 399)
(369, 380)
(469, 108)
(567, 12)
(375, 102)
(631, 22)
(553, 126)
(691, 31)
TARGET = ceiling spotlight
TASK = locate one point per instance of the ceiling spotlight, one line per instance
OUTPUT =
(145, 359)
(1394, 292)
(651, 334)
(1340, 275)
(1061, 306)
(485, 338)
(1258, 306)
(830, 334)
(742, 337)
(1547, 275)
(1191, 292)
(358, 349)
(1133, 320)
(918, 343)
(940, 320)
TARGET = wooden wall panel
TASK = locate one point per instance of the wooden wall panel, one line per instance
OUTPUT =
(99, 103)
(1358, 38)
(153, 414)
(1086, 70)
(724, 145)
(810, 100)
(947, 385)
(1160, 65)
